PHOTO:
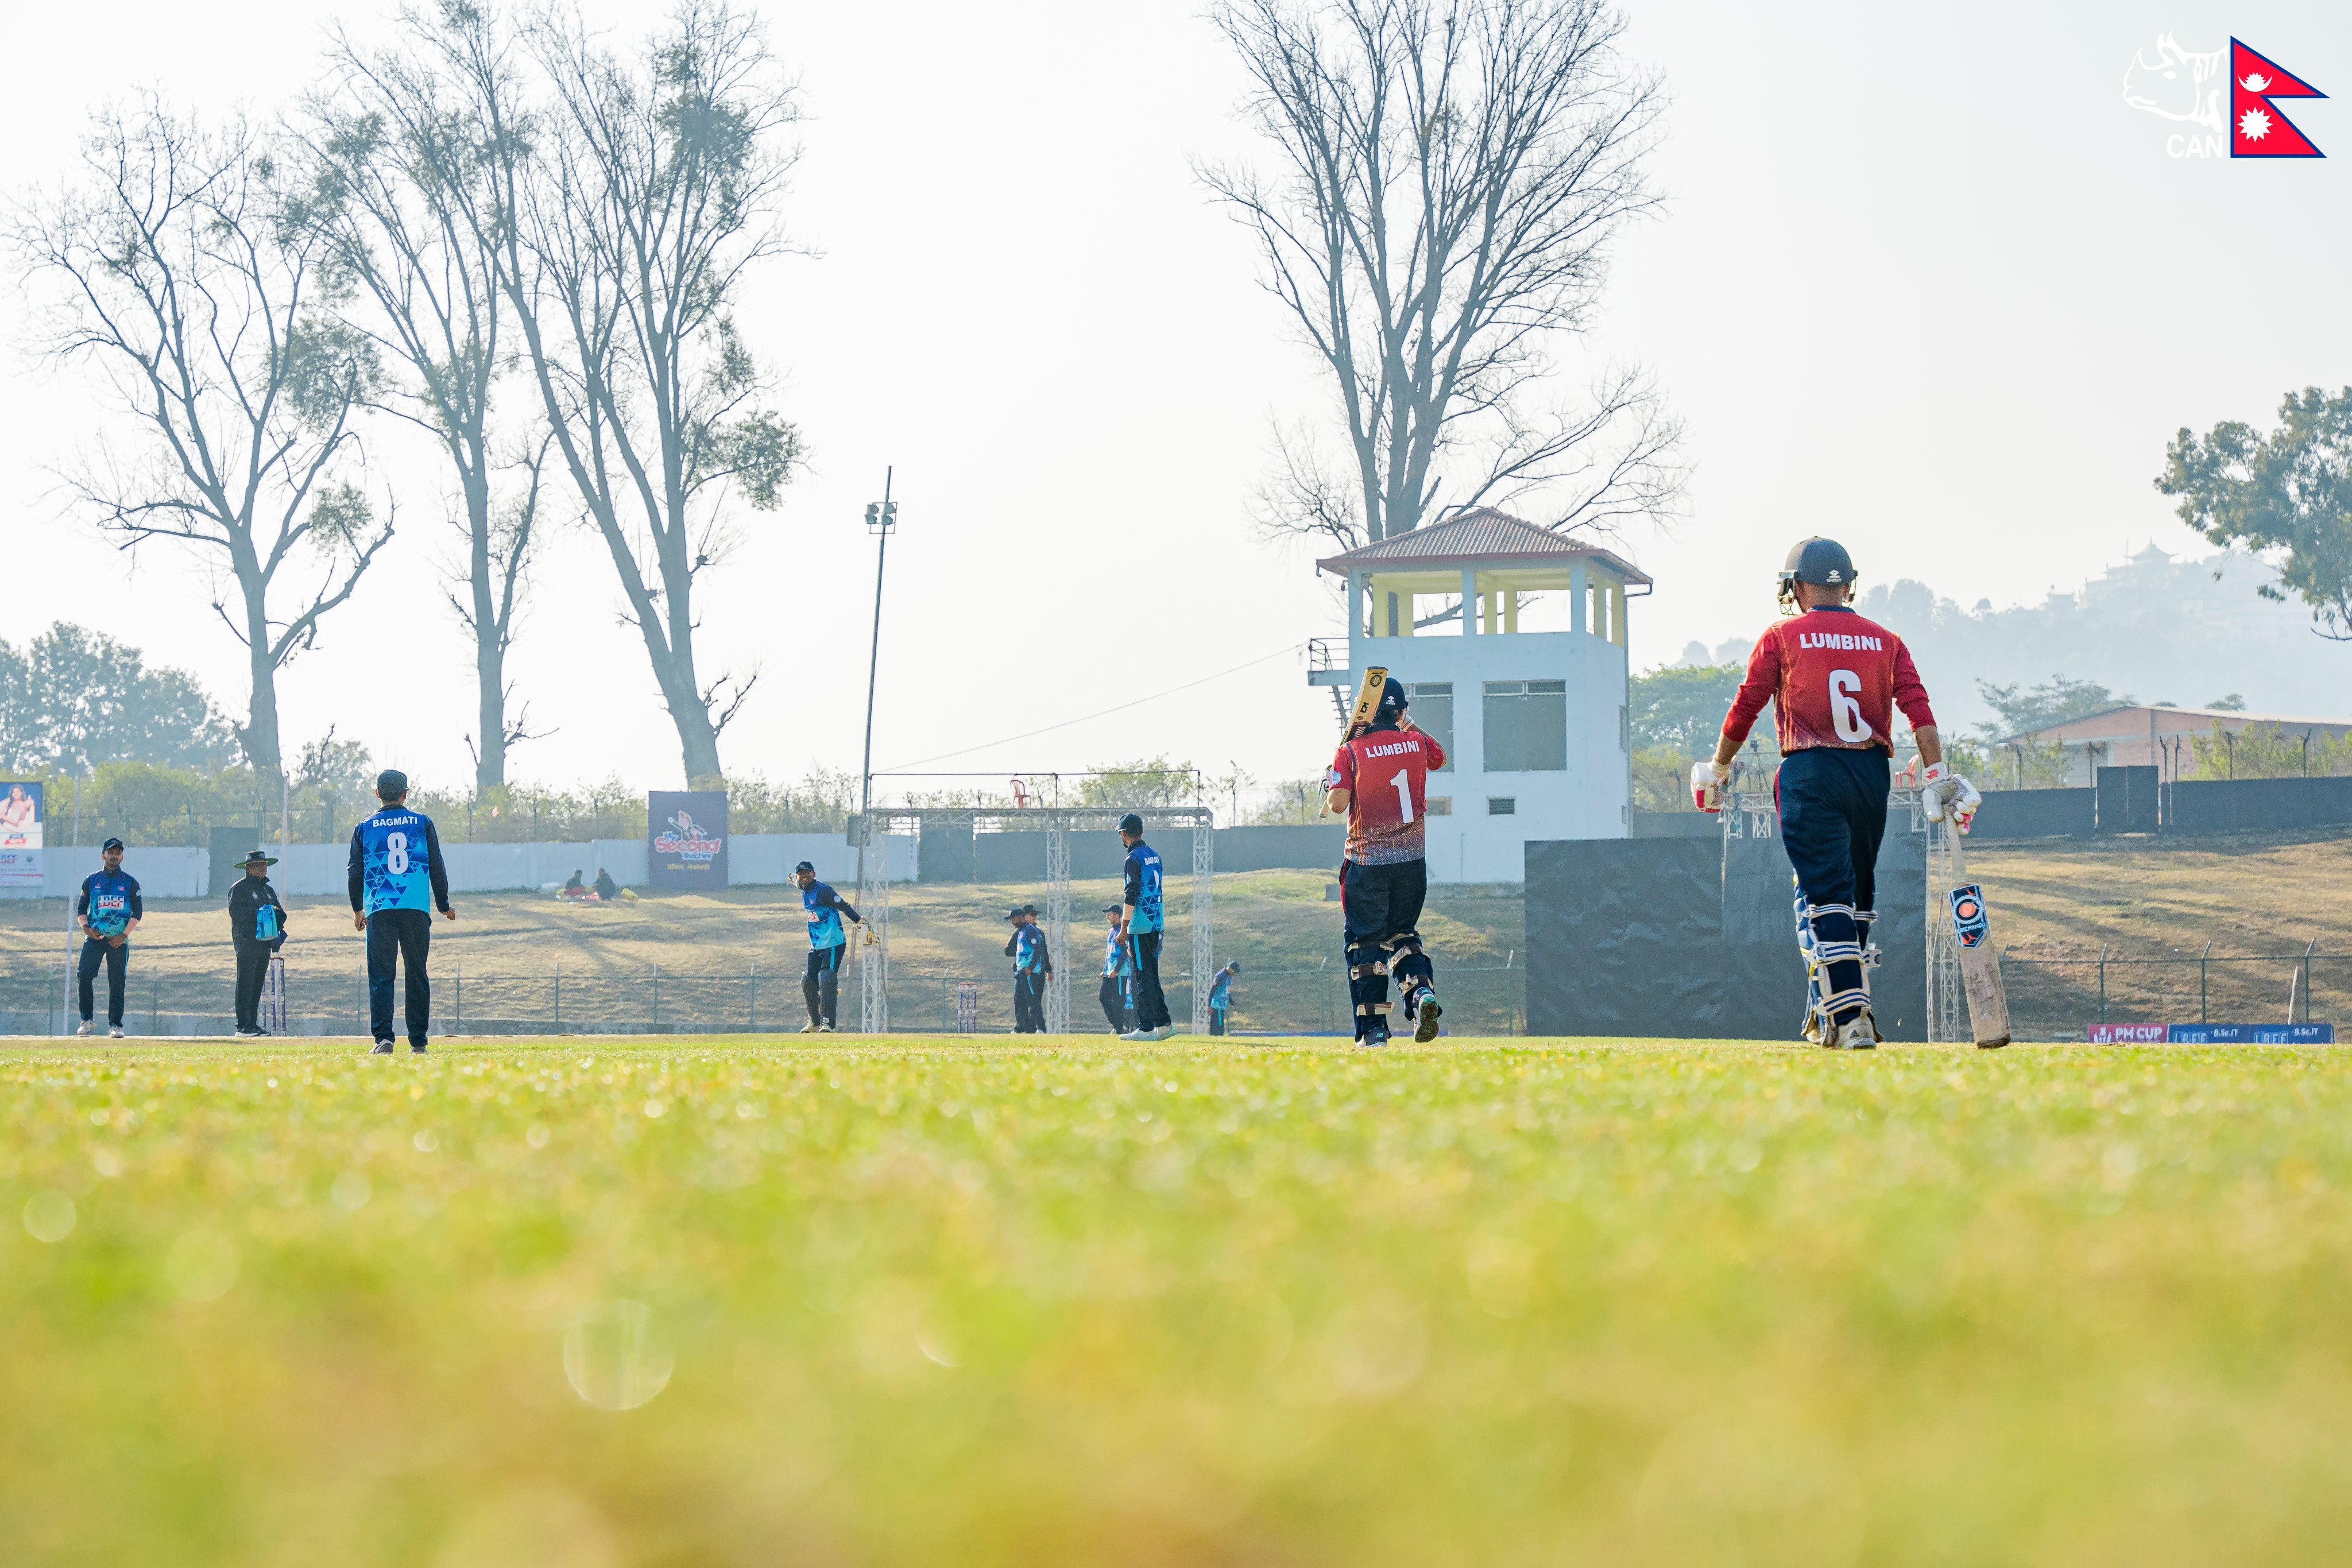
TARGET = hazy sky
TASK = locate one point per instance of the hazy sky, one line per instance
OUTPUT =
(1925, 282)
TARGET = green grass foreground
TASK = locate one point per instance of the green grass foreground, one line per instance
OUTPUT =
(589, 1304)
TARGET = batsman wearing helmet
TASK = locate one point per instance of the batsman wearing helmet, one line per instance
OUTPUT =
(1834, 681)
(1379, 781)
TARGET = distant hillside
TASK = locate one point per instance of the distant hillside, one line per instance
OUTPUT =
(2156, 628)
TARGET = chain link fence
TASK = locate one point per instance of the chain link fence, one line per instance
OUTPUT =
(168, 1002)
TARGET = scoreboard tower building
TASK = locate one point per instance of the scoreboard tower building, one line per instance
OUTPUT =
(1527, 691)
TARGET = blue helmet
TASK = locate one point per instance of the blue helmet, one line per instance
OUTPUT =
(1820, 561)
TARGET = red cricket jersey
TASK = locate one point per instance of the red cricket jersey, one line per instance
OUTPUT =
(1833, 679)
(1386, 774)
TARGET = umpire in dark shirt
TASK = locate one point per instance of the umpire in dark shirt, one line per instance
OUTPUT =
(257, 928)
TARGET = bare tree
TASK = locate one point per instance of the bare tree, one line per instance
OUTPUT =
(1451, 175)
(650, 199)
(413, 200)
(172, 269)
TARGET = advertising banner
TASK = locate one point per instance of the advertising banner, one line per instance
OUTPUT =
(688, 847)
(2210, 1034)
(20, 835)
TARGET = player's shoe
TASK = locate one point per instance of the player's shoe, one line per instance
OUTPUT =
(810, 1027)
(1428, 1012)
(114, 1030)
(1164, 1031)
(1137, 1034)
(248, 1034)
(1858, 1033)
(824, 1029)
(416, 1050)
(381, 1048)
(87, 1029)
(1814, 1030)
(1374, 1039)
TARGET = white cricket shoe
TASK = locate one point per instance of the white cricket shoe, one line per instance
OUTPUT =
(115, 1030)
(1857, 1033)
(1139, 1034)
(1164, 1031)
(810, 1027)
(824, 1029)
(87, 1030)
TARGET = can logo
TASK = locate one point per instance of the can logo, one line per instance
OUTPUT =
(1969, 915)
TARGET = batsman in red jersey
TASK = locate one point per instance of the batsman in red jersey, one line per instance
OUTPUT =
(1379, 781)
(1835, 681)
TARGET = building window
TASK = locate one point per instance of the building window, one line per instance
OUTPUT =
(1440, 806)
(1433, 710)
(1526, 726)
(1502, 805)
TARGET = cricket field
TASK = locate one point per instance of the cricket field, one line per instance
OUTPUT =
(589, 1303)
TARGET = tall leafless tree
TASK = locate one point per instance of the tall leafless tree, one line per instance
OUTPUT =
(651, 197)
(413, 198)
(172, 270)
(1451, 173)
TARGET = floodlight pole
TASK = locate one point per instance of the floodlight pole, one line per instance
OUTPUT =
(881, 521)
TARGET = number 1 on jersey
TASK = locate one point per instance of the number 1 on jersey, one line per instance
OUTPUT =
(1404, 796)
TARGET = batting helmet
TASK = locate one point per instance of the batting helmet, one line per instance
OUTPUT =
(1820, 561)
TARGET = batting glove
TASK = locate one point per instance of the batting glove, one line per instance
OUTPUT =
(1707, 779)
(1943, 793)
(873, 938)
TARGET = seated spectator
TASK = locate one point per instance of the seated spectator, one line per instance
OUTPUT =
(607, 888)
(575, 888)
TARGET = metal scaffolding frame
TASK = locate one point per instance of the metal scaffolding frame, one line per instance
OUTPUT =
(873, 833)
(1947, 1018)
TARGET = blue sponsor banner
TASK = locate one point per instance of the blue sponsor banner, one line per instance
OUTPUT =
(2210, 1034)
(686, 838)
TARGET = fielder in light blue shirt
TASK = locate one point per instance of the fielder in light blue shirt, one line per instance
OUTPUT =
(397, 880)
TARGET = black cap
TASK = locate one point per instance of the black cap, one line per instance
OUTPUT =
(390, 782)
(1113, 908)
(808, 866)
(1017, 911)
(1820, 561)
(111, 844)
(1130, 824)
(253, 855)
(1392, 698)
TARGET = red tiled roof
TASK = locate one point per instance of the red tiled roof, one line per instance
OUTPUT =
(1482, 537)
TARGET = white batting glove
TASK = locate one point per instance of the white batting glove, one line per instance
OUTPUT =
(1964, 807)
(1707, 779)
(1943, 792)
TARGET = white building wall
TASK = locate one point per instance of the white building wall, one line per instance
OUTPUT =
(1591, 798)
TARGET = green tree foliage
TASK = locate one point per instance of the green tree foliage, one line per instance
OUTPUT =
(1681, 708)
(2268, 751)
(74, 698)
(2287, 493)
(1147, 781)
(2019, 708)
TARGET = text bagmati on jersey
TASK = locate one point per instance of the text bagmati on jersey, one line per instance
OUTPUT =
(1834, 679)
(822, 905)
(395, 851)
(1143, 888)
(1386, 774)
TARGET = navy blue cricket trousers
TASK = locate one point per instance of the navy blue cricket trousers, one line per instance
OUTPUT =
(1833, 818)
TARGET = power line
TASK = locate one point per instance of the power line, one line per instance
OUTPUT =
(1065, 724)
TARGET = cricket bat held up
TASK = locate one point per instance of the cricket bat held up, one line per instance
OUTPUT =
(1368, 701)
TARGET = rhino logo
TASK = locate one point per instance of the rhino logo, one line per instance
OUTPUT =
(2177, 84)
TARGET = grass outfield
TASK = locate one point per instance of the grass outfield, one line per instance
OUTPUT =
(590, 1303)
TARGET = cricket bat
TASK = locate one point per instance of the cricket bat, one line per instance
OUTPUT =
(1979, 967)
(1368, 701)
